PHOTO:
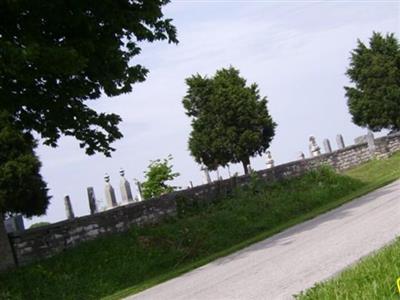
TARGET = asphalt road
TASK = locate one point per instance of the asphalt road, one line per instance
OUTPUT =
(295, 259)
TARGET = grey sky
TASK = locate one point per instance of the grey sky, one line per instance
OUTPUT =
(296, 51)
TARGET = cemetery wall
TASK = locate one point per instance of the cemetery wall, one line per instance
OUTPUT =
(38, 243)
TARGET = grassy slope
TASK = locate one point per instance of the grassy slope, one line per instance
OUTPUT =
(373, 278)
(126, 263)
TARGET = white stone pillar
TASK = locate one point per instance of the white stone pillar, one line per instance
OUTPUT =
(371, 142)
(125, 188)
(206, 178)
(327, 146)
(229, 171)
(139, 189)
(340, 141)
(109, 193)
(218, 175)
(249, 169)
(270, 162)
(313, 147)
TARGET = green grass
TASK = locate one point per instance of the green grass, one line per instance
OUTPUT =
(373, 278)
(123, 264)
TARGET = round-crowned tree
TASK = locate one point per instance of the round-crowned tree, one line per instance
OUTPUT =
(230, 120)
(22, 189)
(374, 100)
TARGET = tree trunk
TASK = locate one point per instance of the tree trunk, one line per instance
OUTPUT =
(6, 255)
(246, 162)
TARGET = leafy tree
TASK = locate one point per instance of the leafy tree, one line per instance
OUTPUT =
(374, 101)
(230, 119)
(158, 173)
(56, 56)
(22, 189)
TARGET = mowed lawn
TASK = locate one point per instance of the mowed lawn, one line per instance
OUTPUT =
(122, 264)
(372, 278)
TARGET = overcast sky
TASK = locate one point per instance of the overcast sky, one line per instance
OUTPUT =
(296, 51)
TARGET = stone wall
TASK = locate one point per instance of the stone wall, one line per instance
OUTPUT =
(38, 243)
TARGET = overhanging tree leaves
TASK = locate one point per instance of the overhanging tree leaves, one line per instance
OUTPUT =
(22, 189)
(158, 173)
(374, 101)
(55, 56)
(230, 120)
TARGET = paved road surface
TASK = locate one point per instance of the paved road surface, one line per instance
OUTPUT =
(295, 259)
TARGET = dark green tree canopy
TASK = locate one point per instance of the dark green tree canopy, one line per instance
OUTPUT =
(374, 100)
(158, 173)
(22, 189)
(57, 55)
(230, 119)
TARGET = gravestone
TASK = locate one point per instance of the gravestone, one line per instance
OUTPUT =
(109, 192)
(125, 187)
(360, 139)
(219, 177)
(249, 169)
(270, 161)
(371, 142)
(92, 200)
(14, 224)
(340, 141)
(327, 146)
(68, 208)
(7, 260)
(229, 171)
(313, 147)
(139, 189)
(301, 155)
(206, 177)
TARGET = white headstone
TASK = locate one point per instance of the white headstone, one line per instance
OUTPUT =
(125, 188)
(229, 171)
(327, 146)
(340, 141)
(270, 161)
(206, 178)
(219, 177)
(313, 147)
(360, 139)
(139, 189)
(371, 141)
(249, 169)
(109, 193)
